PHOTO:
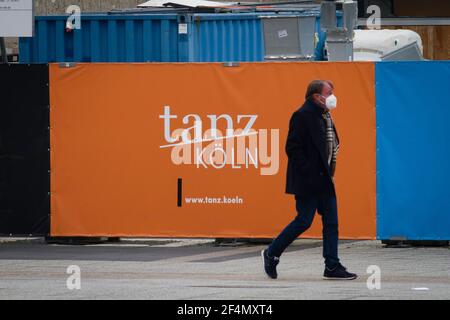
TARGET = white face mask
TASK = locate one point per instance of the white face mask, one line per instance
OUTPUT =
(331, 102)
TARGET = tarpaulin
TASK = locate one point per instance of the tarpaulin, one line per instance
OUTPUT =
(197, 150)
(413, 150)
(24, 156)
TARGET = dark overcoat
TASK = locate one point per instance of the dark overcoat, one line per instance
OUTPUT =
(308, 172)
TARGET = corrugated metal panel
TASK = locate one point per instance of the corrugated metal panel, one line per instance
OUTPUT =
(149, 38)
(239, 36)
(228, 37)
(231, 36)
(103, 38)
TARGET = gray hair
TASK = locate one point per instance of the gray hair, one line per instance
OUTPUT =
(316, 86)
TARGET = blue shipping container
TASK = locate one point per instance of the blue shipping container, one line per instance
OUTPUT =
(201, 37)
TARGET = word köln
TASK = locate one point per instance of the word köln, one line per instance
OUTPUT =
(241, 147)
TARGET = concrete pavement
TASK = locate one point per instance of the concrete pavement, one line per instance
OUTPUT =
(198, 269)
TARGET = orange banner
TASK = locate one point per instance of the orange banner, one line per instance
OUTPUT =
(197, 150)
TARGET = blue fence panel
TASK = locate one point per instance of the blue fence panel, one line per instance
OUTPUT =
(413, 150)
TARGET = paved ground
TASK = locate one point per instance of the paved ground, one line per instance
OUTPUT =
(198, 269)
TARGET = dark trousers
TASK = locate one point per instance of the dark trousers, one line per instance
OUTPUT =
(306, 207)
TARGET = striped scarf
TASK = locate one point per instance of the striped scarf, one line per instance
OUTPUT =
(332, 143)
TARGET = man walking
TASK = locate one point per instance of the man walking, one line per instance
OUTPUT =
(312, 145)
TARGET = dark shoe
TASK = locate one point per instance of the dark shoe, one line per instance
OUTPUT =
(338, 273)
(270, 264)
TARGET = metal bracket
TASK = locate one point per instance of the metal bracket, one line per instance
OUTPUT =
(279, 17)
(397, 238)
(67, 64)
(231, 64)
